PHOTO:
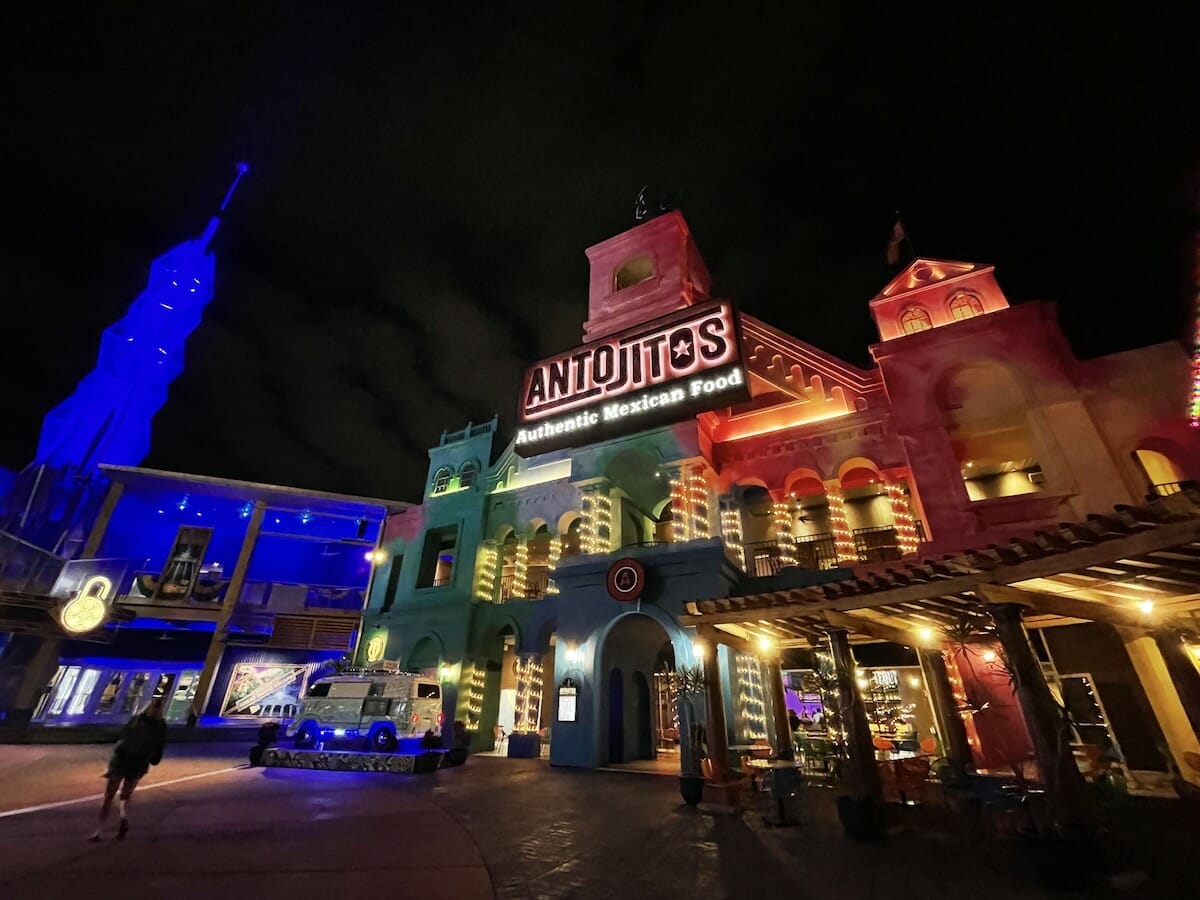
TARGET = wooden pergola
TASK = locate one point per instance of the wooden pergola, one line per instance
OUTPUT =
(1137, 568)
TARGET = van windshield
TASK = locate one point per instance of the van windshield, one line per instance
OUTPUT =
(428, 691)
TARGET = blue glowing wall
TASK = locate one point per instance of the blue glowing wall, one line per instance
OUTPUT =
(108, 417)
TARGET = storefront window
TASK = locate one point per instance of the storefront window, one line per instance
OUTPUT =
(185, 692)
(66, 683)
(109, 695)
(138, 684)
(83, 693)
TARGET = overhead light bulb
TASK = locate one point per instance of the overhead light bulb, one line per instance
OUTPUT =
(1146, 606)
(925, 634)
(989, 655)
(765, 644)
(698, 649)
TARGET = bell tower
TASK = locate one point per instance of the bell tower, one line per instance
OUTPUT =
(648, 271)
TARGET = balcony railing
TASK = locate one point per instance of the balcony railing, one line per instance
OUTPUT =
(26, 567)
(876, 544)
(812, 551)
(536, 583)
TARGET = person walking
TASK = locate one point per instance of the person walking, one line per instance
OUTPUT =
(139, 748)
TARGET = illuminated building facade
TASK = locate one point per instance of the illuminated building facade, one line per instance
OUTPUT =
(976, 422)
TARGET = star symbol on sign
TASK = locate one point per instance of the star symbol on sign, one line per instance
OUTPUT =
(683, 348)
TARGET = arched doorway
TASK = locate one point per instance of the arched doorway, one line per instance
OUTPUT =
(635, 649)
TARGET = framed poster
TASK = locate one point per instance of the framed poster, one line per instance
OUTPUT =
(273, 690)
(567, 695)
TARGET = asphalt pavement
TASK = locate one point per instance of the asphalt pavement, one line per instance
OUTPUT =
(205, 826)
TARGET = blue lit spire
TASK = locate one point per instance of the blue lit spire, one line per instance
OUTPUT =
(108, 418)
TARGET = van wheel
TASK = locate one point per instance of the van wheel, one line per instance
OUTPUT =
(306, 736)
(383, 741)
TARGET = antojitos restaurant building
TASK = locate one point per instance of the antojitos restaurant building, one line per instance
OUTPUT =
(690, 484)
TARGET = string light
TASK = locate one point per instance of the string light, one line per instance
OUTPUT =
(521, 570)
(527, 706)
(1194, 412)
(680, 521)
(556, 546)
(595, 531)
(906, 529)
(486, 572)
(781, 516)
(698, 498)
(475, 697)
(843, 538)
(731, 530)
(750, 697)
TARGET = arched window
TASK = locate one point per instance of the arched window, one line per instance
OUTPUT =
(915, 319)
(441, 480)
(467, 473)
(965, 305)
(633, 271)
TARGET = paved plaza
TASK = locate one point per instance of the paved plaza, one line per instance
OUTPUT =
(497, 828)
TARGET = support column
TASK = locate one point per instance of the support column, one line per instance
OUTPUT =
(718, 742)
(1184, 675)
(781, 733)
(96, 535)
(216, 647)
(945, 712)
(34, 679)
(731, 530)
(783, 520)
(1067, 797)
(1164, 699)
(862, 776)
(843, 537)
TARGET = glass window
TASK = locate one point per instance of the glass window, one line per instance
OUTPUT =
(428, 691)
(965, 305)
(468, 473)
(633, 271)
(109, 695)
(319, 690)
(83, 693)
(441, 481)
(130, 703)
(915, 319)
(66, 684)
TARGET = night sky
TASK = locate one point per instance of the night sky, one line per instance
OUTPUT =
(424, 183)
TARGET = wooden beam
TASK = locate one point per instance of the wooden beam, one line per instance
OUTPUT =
(1068, 607)
(880, 630)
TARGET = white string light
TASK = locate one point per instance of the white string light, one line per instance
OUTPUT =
(906, 530)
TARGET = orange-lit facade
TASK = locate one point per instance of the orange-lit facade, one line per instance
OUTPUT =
(974, 422)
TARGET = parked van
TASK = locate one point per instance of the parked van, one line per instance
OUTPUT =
(368, 708)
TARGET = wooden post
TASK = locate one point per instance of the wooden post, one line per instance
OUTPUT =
(1066, 791)
(1183, 672)
(718, 742)
(862, 773)
(945, 709)
(96, 535)
(782, 731)
(216, 646)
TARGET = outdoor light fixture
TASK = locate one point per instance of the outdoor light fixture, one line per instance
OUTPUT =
(1146, 606)
(698, 649)
(914, 681)
(989, 655)
(573, 653)
(375, 556)
(926, 635)
(765, 644)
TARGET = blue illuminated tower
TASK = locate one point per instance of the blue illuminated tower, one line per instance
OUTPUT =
(108, 417)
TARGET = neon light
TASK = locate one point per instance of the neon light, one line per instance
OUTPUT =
(88, 609)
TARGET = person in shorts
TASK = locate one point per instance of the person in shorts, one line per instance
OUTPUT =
(139, 747)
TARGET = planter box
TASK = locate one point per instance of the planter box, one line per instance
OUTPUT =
(524, 746)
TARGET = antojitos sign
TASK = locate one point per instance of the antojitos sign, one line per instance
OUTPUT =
(661, 371)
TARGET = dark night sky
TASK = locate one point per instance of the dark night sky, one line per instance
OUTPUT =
(424, 183)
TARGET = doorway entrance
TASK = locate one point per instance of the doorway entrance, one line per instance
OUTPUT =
(635, 715)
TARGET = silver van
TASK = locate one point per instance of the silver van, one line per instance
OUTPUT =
(370, 709)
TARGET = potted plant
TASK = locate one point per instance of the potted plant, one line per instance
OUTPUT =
(430, 756)
(688, 684)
